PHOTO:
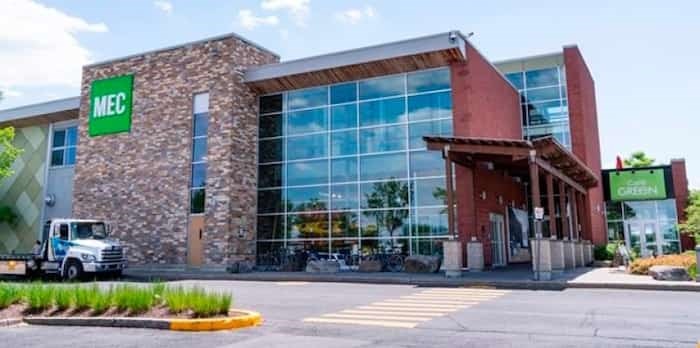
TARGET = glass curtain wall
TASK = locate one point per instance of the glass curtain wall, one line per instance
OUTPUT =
(545, 108)
(343, 168)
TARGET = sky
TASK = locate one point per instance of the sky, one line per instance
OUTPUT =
(643, 55)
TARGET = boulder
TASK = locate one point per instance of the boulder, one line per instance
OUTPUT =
(370, 266)
(669, 273)
(322, 266)
(243, 266)
(421, 264)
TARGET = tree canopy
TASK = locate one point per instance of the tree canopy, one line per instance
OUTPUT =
(8, 152)
(692, 223)
(639, 159)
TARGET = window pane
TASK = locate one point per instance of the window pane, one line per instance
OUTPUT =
(307, 121)
(344, 169)
(271, 103)
(614, 210)
(382, 139)
(424, 81)
(384, 223)
(270, 175)
(309, 146)
(307, 173)
(616, 231)
(307, 98)
(427, 246)
(271, 227)
(426, 163)
(667, 209)
(543, 113)
(387, 194)
(197, 201)
(268, 253)
(306, 226)
(59, 138)
(199, 149)
(516, 79)
(417, 131)
(271, 126)
(201, 124)
(199, 175)
(270, 201)
(543, 77)
(344, 116)
(57, 157)
(344, 143)
(71, 136)
(344, 93)
(382, 112)
(429, 192)
(70, 156)
(344, 197)
(430, 222)
(381, 87)
(429, 106)
(386, 166)
(307, 198)
(344, 225)
(271, 150)
(540, 94)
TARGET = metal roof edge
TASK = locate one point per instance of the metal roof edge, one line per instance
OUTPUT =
(38, 109)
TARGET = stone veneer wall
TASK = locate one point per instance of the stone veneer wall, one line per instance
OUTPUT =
(139, 181)
(23, 191)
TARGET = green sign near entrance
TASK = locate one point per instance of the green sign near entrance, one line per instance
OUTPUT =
(110, 105)
(637, 185)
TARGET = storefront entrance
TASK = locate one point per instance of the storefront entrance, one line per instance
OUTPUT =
(642, 236)
(498, 246)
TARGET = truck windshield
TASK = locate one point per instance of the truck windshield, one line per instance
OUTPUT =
(89, 230)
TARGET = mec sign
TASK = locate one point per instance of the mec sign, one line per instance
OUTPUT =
(110, 105)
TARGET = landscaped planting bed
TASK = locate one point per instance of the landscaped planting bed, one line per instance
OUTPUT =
(90, 300)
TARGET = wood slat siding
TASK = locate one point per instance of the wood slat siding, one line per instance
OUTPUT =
(42, 119)
(358, 71)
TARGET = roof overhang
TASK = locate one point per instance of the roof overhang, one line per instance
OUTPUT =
(549, 155)
(390, 58)
(41, 113)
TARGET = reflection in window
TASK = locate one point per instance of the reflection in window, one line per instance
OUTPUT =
(313, 198)
(344, 169)
(426, 163)
(307, 173)
(200, 127)
(344, 197)
(307, 121)
(386, 223)
(307, 225)
(383, 111)
(385, 194)
(344, 93)
(416, 131)
(309, 146)
(271, 227)
(430, 222)
(430, 106)
(307, 98)
(383, 139)
(542, 77)
(344, 116)
(344, 225)
(386, 166)
(516, 79)
(344, 143)
(429, 192)
(63, 147)
(430, 80)
(382, 87)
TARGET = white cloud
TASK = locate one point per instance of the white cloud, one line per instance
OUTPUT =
(355, 15)
(299, 10)
(248, 20)
(165, 6)
(39, 46)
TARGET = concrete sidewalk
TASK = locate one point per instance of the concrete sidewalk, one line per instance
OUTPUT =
(514, 277)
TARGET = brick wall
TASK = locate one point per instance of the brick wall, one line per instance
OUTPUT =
(585, 141)
(680, 191)
(140, 180)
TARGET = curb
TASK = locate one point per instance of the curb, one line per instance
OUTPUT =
(10, 322)
(248, 319)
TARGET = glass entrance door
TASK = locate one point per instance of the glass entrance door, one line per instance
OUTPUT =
(498, 247)
(643, 237)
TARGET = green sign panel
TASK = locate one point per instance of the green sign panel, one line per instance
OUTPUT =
(637, 185)
(110, 105)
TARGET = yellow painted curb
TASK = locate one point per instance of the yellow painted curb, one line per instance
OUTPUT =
(248, 319)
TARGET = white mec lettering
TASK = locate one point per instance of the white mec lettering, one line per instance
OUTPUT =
(109, 105)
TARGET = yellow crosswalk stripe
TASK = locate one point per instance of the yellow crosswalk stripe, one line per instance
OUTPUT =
(362, 322)
(438, 301)
(398, 303)
(447, 298)
(398, 309)
(375, 317)
(465, 291)
(393, 312)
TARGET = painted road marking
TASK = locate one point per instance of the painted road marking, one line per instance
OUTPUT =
(409, 311)
(291, 283)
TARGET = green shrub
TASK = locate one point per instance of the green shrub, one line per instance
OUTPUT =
(158, 289)
(39, 297)
(225, 302)
(693, 271)
(101, 301)
(82, 296)
(605, 252)
(175, 299)
(63, 297)
(9, 295)
(133, 299)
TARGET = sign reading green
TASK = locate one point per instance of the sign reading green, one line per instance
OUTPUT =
(110, 105)
(637, 185)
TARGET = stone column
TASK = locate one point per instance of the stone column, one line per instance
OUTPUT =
(541, 259)
(569, 262)
(587, 253)
(453, 260)
(579, 253)
(475, 256)
(557, 254)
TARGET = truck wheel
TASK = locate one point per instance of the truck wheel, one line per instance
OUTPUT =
(73, 271)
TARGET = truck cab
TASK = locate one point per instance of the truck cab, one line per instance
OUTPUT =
(74, 247)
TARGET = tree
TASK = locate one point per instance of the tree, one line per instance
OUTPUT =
(692, 211)
(639, 159)
(8, 154)
(388, 194)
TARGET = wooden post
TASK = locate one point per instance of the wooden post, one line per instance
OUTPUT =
(573, 200)
(550, 206)
(562, 210)
(450, 194)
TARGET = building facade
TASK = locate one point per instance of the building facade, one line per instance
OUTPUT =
(213, 152)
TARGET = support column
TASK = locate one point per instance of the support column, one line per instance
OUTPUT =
(574, 213)
(541, 250)
(452, 249)
(450, 193)
(556, 245)
(550, 206)
(563, 214)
